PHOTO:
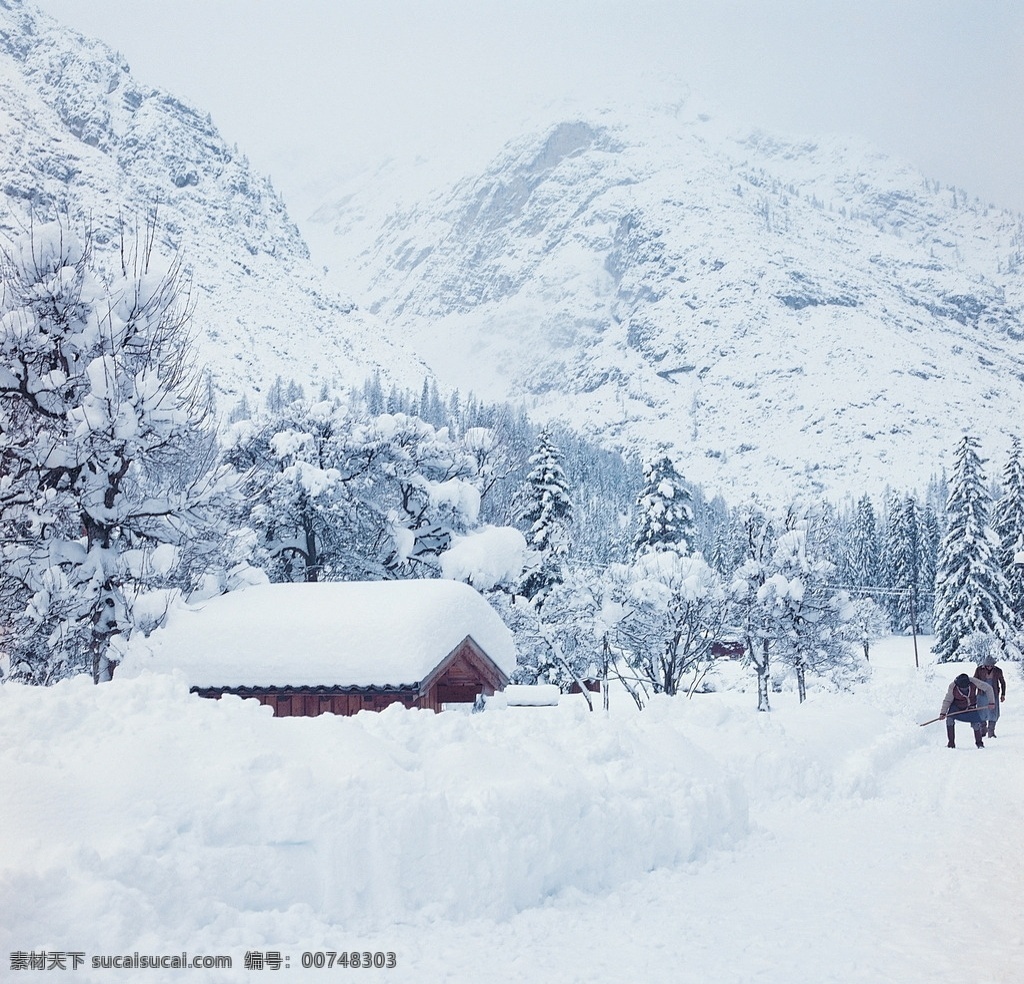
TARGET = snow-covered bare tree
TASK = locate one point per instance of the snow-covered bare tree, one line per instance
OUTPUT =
(677, 607)
(866, 622)
(750, 611)
(295, 498)
(417, 484)
(106, 441)
(970, 589)
(808, 614)
(333, 495)
(557, 642)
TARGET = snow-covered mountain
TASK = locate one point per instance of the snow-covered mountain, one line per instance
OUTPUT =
(785, 315)
(78, 134)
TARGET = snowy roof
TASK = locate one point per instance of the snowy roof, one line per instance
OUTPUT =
(346, 634)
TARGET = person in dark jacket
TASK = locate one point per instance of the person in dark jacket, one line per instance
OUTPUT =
(961, 704)
(992, 674)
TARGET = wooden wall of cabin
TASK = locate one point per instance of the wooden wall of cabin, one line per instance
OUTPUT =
(311, 705)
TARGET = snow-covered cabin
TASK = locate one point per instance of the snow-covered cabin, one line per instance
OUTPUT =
(339, 647)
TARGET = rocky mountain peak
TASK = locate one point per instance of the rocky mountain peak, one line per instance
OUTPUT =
(775, 312)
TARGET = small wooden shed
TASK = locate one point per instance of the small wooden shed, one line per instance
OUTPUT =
(339, 648)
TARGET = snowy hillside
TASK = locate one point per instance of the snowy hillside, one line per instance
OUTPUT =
(695, 842)
(78, 132)
(792, 315)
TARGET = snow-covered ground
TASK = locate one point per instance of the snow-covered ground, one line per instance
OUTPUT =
(698, 841)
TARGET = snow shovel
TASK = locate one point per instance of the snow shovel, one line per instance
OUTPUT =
(966, 710)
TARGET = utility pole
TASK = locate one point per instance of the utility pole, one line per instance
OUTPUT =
(913, 622)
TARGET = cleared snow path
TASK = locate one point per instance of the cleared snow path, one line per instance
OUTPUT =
(912, 888)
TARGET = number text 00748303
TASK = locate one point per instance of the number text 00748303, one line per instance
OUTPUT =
(356, 959)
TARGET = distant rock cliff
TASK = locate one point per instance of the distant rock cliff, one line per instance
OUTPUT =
(79, 135)
(783, 315)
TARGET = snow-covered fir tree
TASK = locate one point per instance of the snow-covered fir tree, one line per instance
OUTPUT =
(862, 554)
(970, 589)
(1009, 527)
(604, 489)
(715, 530)
(545, 516)
(889, 558)
(906, 556)
(664, 510)
(107, 444)
(931, 541)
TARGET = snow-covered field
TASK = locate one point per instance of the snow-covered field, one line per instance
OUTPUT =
(698, 841)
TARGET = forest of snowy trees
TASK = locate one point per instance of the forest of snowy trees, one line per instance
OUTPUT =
(119, 493)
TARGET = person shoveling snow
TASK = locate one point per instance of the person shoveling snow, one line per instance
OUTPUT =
(961, 703)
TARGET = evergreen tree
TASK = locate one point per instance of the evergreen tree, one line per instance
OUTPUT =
(373, 395)
(241, 411)
(716, 531)
(664, 510)
(864, 555)
(890, 558)
(545, 517)
(931, 540)
(970, 588)
(906, 569)
(276, 399)
(424, 400)
(1009, 526)
(605, 487)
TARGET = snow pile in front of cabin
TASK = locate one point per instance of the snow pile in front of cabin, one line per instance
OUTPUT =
(184, 807)
(338, 633)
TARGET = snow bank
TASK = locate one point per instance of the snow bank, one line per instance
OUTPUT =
(516, 844)
(181, 813)
(525, 695)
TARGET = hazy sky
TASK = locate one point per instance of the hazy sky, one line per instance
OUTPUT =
(938, 82)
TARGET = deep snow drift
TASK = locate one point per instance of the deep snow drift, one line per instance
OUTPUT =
(696, 841)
